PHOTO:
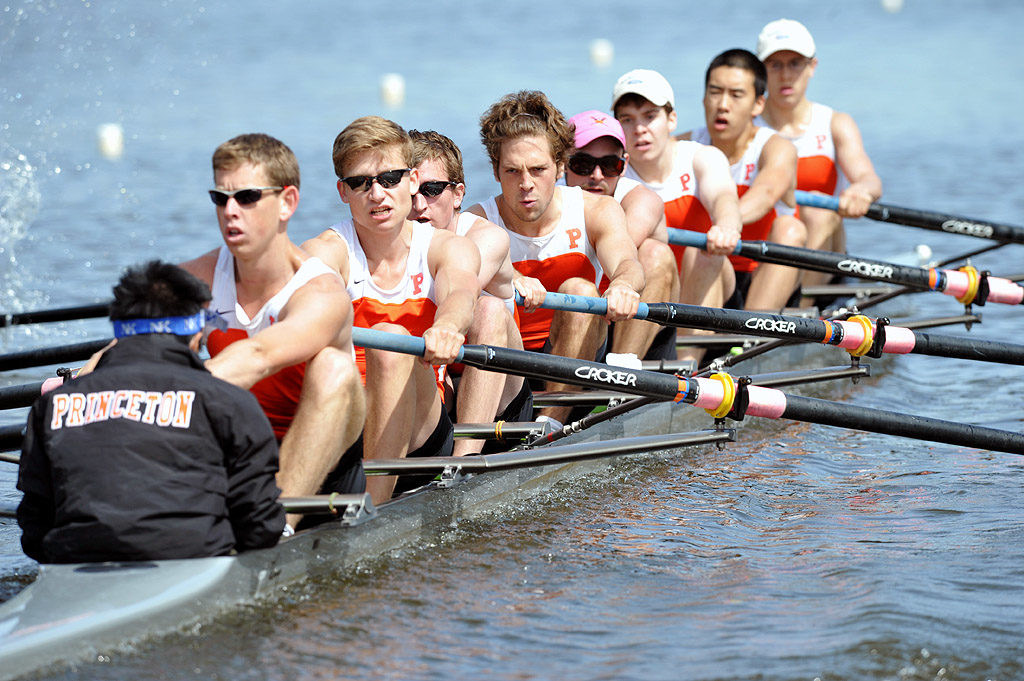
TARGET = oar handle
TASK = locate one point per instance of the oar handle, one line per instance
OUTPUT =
(395, 342)
(586, 304)
(686, 237)
(924, 219)
(817, 200)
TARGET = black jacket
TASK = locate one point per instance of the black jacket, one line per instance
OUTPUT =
(148, 457)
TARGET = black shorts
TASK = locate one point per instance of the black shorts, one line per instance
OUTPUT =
(518, 410)
(439, 443)
(663, 345)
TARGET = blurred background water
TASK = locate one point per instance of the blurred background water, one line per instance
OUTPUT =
(799, 553)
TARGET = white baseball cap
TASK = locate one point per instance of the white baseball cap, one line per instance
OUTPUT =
(784, 34)
(649, 84)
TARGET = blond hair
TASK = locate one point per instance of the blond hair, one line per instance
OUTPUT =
(262, 151)
(366, 134)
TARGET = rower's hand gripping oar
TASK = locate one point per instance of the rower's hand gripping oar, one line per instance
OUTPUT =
(939, 222)
(967, 285)
(858, 335)
(719, 395)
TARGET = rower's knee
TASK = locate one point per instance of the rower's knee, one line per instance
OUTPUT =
(332, 376)
(658, 261)
(489, 323)
(578, 286)
(789, 230)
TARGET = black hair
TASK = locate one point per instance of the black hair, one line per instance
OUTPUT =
(157, 289)
(741, 59)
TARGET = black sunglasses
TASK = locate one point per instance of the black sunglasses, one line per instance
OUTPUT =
(436, 187)
(584, 164)
(387, 180)
(245, 197)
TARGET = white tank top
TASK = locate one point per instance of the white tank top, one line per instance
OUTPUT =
(417, 284)
(225, 296)
(818, 170)
(745, 170)
(561, 254)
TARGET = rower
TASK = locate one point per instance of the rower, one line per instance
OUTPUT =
(824, 138)
(763, 166)
(288, 319)
(596, 166)
(693, 182)
(404, 277)
(480, 396)
(562, 238)
(148, 456)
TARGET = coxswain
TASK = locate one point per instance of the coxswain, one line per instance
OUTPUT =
(148, 456)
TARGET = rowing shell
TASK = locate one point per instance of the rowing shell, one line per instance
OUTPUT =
(75, 613)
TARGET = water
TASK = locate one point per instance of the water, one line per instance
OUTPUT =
(799, 553)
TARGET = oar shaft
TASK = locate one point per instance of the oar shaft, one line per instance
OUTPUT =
(76, 352)
(902, 425)
(939, 222)
(60, 314)
(951, 282)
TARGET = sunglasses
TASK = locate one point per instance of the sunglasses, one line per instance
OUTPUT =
(245, 197)
(584, 164)
(436, 187)
(387, 180)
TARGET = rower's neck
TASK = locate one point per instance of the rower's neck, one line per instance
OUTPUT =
(789, 120)
(544, 224)
(259, 278)
(735, 148)
(388, 247)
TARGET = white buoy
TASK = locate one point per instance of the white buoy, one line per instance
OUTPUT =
(110, 140)
(892, 6)
(392, 90)
(601, 52)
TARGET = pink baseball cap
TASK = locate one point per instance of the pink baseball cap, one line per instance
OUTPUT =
(592, 124)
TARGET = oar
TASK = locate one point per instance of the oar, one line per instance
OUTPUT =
(967, 285)
(939, 222)
(720, 395)
(75, 352)
(859, 336)
(60, 314)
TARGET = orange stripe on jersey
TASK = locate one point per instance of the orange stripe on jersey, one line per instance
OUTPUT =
(278, 394)
(686, 212)
(535, 327)
(755, 231)
(415, 316)
(816, 174)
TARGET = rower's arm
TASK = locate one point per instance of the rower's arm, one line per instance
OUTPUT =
(717, 193)
(455, 263)
(317, 315)
(606, 227)
(775, 181)
(645, 215)
(865, 185)
(492, 242)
